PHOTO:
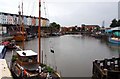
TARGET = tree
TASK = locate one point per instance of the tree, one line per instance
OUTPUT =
(83, 27)
(118, 23)
(54, 27)
(114, 23)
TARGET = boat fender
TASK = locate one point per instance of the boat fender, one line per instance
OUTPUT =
(39, 69)
(22, 74)
(25, 72)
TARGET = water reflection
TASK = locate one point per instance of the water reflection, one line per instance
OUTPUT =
(115, 48)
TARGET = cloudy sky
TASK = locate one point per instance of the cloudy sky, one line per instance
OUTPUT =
(67, 12)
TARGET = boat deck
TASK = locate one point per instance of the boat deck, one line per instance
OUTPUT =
(106, 69)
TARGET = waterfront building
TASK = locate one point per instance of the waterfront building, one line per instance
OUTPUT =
(33, 21)
(11, 23)
(5, 19)
(45, 22)
(9, 19)
(1, 18)
(25, 20)
(29, 21)
(90, 28)
(14, 19)
(37, 21)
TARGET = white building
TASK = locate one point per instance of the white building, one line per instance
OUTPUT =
(4, 21)
(29, 21)
(10, 19)
(1, 18)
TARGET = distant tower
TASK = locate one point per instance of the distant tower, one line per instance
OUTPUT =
(119, 10)
(19, 12)
(103, 24)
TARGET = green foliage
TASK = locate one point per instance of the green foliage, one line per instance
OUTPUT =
(43, 65)
(118, 23)
(14, 58)
(49, 69)
(54, 27)
(115, 23)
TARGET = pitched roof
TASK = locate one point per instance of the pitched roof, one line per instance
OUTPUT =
(26, 53)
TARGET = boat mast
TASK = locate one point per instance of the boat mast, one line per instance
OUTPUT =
(23, 27)
(39, 40)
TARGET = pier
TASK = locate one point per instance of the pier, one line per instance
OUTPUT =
(106, 69)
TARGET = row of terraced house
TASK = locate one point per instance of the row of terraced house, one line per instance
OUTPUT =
(9, 22)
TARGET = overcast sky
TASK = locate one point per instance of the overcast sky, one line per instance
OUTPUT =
(67, 12)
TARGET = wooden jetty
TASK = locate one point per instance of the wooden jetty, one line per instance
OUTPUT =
(4, 70)
(106, 69)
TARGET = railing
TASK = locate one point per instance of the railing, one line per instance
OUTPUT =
(106, 69)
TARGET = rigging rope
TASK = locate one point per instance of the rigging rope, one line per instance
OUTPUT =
(44, 8)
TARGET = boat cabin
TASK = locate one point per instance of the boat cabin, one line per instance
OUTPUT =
(26, 57)
(25, 64)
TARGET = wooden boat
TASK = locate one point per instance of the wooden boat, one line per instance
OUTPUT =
(26, 64)
(9, 44)
(2, 51)
(20, 35)
(114, 35)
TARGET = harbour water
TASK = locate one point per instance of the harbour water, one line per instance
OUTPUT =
(73, 54)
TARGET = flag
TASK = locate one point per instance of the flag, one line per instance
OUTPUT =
(52, 50)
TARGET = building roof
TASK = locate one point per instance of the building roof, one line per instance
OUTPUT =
(23, 15)
(26, 53)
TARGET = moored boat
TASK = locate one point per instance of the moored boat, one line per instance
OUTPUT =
(26, 64)
(114, 40)
(9, 44)
(114, 35)
(20, 36)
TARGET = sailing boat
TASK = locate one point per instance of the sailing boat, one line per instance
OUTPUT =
(20, 34)
(27, 63)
